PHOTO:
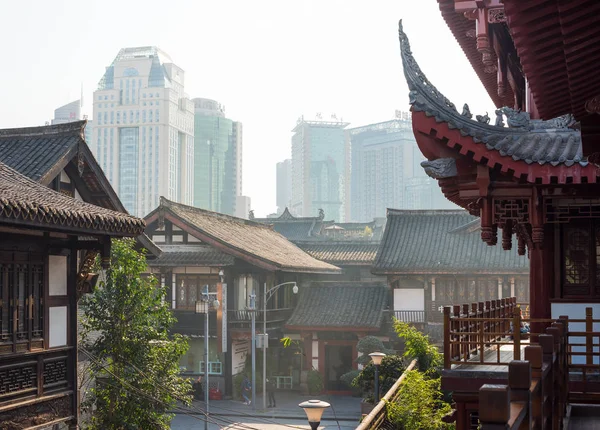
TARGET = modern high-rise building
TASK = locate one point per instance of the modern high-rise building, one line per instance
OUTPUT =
(284, 185)
(72, 112)
(218, 158)
(386, 171)
(242, 207)
(67, 113)
(144, 129)
(321, 169)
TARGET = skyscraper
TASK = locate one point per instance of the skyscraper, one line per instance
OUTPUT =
(321, 169)
(72, 112)
(144, 129)
(386, 171)
(67, 113)
(218, 158)
(284, 185)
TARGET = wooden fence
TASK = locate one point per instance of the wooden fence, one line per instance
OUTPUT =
(490, 334)
(377, 418)
(536, 394)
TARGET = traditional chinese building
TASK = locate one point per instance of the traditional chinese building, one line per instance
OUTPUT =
(48, 243)
(336, 310)
(530, 172)
(234, 258)
(435, 258)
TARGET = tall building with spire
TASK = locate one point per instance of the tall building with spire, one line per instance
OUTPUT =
(144, 129)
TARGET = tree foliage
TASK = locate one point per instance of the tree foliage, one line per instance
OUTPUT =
(390, 369)
(417, 345)
(420, 405)
(369, 344)
(134, 357)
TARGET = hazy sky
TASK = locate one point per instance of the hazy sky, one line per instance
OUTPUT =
(268, 62)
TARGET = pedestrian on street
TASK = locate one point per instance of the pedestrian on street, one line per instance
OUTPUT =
(271, 393)
(246, 389)
(198, 389)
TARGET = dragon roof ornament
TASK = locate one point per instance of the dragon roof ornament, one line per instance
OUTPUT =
(555, 141)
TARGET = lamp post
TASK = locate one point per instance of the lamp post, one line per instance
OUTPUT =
(253, 334)
(203, 307)
(314, 411)
(377, 357)
(267, 296)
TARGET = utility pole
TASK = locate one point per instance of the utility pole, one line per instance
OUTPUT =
(253, 329)
(206, 386)
(264, 348)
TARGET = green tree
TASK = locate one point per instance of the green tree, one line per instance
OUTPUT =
(420, 405)
(417, 345)
(133, 356)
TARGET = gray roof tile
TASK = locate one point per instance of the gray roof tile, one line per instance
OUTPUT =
(191, 255)
(442, 241)
(352, 306)
(245, 237)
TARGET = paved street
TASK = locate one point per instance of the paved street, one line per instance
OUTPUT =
(233, 414)
(183, 422)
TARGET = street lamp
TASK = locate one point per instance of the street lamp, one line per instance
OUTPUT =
(203, 306)
(314, 411)
(267, 296)
(377, 357)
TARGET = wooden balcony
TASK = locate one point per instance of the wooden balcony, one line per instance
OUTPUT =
(411, 317)
(30, 378)
(484, 344)
(242, 318)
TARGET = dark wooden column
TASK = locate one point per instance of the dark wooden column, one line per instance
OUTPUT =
(73, 270)
(541, 280)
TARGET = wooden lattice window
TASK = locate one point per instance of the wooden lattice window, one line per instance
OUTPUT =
(21, 300)
(581, 259)
(190, 288)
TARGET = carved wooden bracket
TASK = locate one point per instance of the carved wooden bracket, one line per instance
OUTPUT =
(85, 279)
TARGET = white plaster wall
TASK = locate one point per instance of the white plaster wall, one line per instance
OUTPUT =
(57, 318)
(409, 299)
(57, 277)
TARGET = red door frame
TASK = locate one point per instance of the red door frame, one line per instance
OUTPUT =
(322, 344)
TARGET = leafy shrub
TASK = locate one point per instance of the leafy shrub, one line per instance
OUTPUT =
(367, 345)
(315, 382)
(417, 345)
(348, 378)
(391, 368)
(420, 405)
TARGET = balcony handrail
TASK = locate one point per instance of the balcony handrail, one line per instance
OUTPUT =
(376, 417)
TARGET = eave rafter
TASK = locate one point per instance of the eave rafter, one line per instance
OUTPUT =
(492, 170)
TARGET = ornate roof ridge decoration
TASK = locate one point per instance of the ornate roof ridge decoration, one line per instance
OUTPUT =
(24, 201)
(555, 141)
(75, 127)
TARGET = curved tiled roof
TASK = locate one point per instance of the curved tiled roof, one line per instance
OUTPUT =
(241, 237)
(441, 241)
(34, 151)
(351, 306)
(26, 202)
(191, 255)
(342, 253)
(530, 141)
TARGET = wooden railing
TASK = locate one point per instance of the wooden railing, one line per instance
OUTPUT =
(536, 394)
(378, 416)
(569, 371)
(410, 316)
(242, 317)
(583, 358)
(470, 330)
